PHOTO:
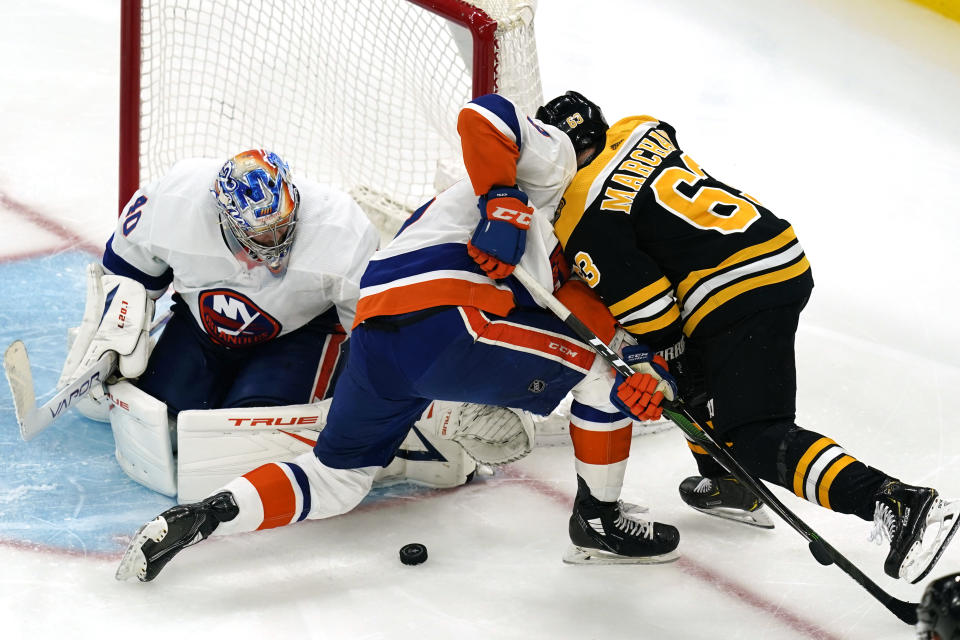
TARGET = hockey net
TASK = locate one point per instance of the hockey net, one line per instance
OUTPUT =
(360, 94)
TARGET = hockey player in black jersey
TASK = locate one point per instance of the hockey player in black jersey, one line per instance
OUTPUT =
(712, 280)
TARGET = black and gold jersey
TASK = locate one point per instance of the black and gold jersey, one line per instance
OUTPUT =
(667, 246)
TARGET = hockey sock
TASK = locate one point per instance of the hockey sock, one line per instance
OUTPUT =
(706, 465)
(272, 495)
(601, 446)
(811, 465)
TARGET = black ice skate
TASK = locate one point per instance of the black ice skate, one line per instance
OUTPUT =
(609, 533)
(726, 498)
(919, 525)
(158, 541)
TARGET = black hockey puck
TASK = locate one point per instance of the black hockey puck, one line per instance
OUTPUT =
(413, 553)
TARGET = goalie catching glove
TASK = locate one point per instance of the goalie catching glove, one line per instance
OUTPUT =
(116, 318)
(642, 394)
(499, 240)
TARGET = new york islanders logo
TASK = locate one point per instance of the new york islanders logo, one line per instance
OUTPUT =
(231, 319)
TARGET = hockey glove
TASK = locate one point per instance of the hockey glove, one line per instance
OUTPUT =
(641, 395)
(499, 240)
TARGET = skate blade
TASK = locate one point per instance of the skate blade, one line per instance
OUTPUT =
(581, 555)
(921, 559)
(134, 563)
(758, 518)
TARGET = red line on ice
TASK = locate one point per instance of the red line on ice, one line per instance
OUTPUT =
(71, 239)
(693, 568)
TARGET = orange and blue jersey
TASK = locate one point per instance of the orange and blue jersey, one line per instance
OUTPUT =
(426, 265)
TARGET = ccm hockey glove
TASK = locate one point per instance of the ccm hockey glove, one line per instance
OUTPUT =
(641, 395)
(499, 240)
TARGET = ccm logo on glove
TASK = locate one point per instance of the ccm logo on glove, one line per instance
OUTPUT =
(521, 218)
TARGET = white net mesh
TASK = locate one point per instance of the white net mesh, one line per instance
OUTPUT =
(362, 94)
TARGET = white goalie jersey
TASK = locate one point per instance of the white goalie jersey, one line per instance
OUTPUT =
(170, 232)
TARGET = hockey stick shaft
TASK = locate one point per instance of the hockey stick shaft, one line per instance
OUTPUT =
(33, 419)
(820, 548)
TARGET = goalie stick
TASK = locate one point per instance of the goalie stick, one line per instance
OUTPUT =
(33, 419)
(820, 548)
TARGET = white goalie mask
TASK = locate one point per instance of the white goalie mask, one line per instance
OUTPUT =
(258, 205)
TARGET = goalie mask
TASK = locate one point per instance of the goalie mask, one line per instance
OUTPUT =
(580, 119)
(258, 207)
(939, 610)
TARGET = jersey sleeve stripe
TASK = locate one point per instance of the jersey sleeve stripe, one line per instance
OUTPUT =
(116, 265)
(489, 154)
(651, 310)
(670, 315)
(641, 297)
(501, 113)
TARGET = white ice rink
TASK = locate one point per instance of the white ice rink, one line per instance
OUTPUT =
(840, 115)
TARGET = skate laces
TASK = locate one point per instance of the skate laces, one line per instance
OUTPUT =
(631, 524)
(884, 523)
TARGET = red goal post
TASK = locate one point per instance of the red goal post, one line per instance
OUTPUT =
(362, 94)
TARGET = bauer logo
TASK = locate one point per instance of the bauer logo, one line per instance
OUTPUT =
(231, 319)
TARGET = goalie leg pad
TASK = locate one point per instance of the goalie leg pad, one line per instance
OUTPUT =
(143, 433)
(428, 460)
(216, 446)
(490, 435)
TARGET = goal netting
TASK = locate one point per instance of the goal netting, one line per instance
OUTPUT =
(362, 94)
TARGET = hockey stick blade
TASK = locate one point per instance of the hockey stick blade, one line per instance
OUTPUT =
(33, 419)
(820, 548)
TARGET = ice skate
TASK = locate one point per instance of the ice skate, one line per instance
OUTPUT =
(613, 533)
(918, 523)
(724, 497)
(157, 542)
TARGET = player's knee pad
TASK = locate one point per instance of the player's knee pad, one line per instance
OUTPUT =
(144, 433)
(490, 435)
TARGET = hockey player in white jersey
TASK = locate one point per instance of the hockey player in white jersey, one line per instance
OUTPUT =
(261, 281)
(440, 317)
(266, 275)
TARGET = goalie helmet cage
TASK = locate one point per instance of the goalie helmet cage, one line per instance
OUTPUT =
(360, 94)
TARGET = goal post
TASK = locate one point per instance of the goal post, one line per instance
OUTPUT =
(360, 94)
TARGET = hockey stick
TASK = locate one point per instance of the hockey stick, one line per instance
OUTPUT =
(820, 548)
(33, 419)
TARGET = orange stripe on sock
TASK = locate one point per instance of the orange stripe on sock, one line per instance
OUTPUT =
(276, 495)
(601, 447)
(823, 491)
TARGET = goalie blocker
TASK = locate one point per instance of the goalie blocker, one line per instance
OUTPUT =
(212, 447)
